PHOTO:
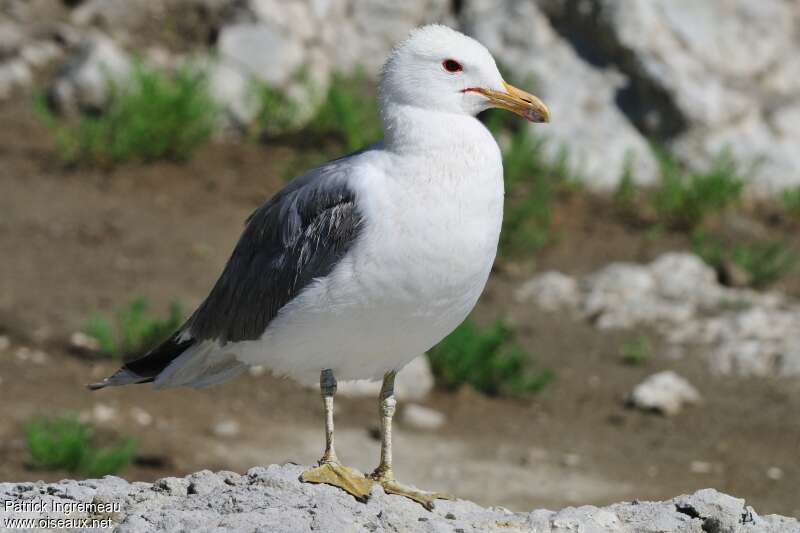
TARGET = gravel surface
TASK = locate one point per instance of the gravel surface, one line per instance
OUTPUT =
(272, 499)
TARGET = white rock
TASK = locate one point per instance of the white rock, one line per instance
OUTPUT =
(701, 467)
(84, 82)
(665, 392)
(233, 90)
(40, 54)
(256, 371)
(744, 357)
(741, 331)
(685, 277)
(522, 38)
(14, 75)
(81, 341)
(727, 70)
(11, 39)
(774, 473)
(141, 417)
(261, 51)
(226, 428)
(5, 343)
(413, 382)
(550, 290)
(421, 417)
(28, 355)
(620, 295)
(103, 414)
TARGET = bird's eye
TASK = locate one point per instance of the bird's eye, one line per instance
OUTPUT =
(451, 65)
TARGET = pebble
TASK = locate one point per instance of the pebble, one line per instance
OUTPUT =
(421, 417)
(700, 467)
(81, 341)
(226, 428)
(141, 417)
(774, 473)
(256, 371)
(25, 354)
(103, 414)
(664, 392)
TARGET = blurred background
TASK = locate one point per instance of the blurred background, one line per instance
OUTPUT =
(640, 334)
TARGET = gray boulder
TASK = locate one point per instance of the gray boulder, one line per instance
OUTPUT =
(85, 80)
(272, 499)
(705, 76)
(665, 392)
(262, 51)
(742, 331)
(14, 74)
(587, 128)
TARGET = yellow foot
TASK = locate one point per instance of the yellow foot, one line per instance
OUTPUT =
(348, 479)
(427, 499)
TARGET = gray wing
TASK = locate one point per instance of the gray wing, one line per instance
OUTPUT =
(298, 235)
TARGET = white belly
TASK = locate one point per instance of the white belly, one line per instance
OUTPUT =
(415, 273)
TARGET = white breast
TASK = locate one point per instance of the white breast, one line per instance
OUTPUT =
(429, 240)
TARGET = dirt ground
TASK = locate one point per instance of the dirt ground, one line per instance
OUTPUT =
(74, 242)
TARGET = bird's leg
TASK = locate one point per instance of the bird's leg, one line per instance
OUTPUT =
(327, 387)
(330, 470)
(386, 408)
(384, 474)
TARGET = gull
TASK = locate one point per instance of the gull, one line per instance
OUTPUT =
(365, 262)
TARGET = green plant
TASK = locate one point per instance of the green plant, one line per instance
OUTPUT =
(64, 443)
(348, 114)
(791, 201)
(684, 199)
(487, 359)
(132, 331)
(276, 111)
(530, 196)
(532, 178)
(637, 351)
(764, 262)
(156, 117)
(625, 196)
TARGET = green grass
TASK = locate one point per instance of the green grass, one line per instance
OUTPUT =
(626, 194)
(764, 262)
(533, 181)
(346, 120)
(791, 201)
(488, 359)
(637, 351)
(349, 113)
(530, 195)
(156, 116)
(684, 199)
(64, 443)
(276, 111)
(132, 331)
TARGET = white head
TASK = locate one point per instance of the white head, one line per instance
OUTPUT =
(440, 69)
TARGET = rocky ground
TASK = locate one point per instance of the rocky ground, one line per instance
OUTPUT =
(714, 401)
(272, 499)
(91, 240)
(698, 78)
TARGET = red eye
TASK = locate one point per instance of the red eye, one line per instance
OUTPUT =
(451, 65)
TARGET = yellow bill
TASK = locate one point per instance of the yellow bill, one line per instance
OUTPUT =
(517, 101)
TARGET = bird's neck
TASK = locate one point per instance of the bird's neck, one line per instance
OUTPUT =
(410, 129)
